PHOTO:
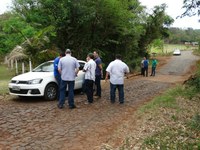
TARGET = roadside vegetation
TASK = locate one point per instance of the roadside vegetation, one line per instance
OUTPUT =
(5, 75)
(169, 121)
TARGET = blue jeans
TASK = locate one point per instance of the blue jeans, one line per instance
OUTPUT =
(63, 86)
(145, 71)
(120, 88)
(89, 90)
(98, 85)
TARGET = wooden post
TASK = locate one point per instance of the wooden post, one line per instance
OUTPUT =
(16, 66)
(11, 64)
(30, 64)
(23, 68)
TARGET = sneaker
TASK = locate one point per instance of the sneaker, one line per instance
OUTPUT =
(97, 97)
(72, 107)
(60, 107)
(87, 103)
(121, 102)
(82, 93)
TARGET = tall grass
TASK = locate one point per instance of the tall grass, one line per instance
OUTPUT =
(5, 76)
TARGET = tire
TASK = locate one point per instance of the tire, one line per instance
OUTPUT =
(51, 91)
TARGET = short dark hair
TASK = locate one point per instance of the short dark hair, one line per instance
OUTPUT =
(118, 56)
(96, 51)
(91, 55)
(62, 54)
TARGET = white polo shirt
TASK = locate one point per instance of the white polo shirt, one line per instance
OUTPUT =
(117, 69)
(90, 68)
(68, 66)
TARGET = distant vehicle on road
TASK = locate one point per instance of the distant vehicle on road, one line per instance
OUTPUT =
(41, 82)
(177, 52)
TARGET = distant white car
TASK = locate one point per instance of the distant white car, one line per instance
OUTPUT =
(177, 52)
(41, 82)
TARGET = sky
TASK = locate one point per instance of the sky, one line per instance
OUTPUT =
(173, 10)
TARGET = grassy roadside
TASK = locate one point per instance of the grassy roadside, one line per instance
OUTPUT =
(175, 120)
(170, 121)
(169, 48)
(5, 76)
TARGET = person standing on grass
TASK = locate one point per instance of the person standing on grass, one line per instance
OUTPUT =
(117, 70)
(98, 74)
(154, 64)
(89, 70)
(55, 71)
(146, 66)
(68, 67)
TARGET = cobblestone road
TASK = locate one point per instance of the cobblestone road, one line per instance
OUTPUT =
(36, 124)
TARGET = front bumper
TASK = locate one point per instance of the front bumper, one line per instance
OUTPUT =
(26, 90)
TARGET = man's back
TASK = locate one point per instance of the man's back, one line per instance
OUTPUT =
(68, 64)
(116, 70)
(56, 61)
(146, 63)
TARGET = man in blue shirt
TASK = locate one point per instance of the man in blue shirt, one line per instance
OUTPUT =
(98, 74)
(56, 73)
(146, 65)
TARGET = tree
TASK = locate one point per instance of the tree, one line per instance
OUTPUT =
(110, 26)
(192, 7)
(13, 31)
(156, 27)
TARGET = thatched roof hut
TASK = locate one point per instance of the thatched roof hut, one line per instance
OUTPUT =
(17, 54)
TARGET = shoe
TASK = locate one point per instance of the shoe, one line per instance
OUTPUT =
(112, 102)
(87, 103)
(121, 102)
(72, 107)
(82, 93)
(60, 107)
(97, 97)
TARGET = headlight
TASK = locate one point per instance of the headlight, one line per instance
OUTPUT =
(35, 81)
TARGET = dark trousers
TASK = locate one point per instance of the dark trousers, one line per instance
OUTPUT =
(146, 71)
(120, 88)
(142, 71)
(98, 85)
(89, 90)
(63, 86)
(153, 71)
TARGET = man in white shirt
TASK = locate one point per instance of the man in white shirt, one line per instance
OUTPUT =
(68, 67)
(89, 70)
(116, 70)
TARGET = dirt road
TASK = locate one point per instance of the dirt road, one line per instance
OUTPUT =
(38, 124)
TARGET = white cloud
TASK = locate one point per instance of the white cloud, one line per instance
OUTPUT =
(174, 9)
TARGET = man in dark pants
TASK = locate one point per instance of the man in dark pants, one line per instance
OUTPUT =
(89, 70)
(68, 67)
(116, 70)
(56, 73)
(146, 66)
(98, 74)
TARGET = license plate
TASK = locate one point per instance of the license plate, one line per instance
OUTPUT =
(16, 88)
